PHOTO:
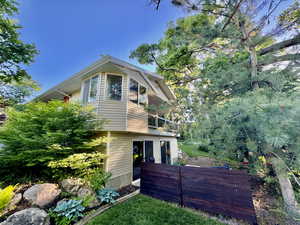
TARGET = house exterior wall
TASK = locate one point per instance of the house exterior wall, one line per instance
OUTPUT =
(120, 159)
(115, 112)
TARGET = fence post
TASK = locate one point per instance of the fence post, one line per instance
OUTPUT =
(180, 187)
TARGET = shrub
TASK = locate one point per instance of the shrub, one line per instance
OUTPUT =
(6, 196)
(71, 209)
(49, 140)
(58, 220)
(97, 179)
(107, 195)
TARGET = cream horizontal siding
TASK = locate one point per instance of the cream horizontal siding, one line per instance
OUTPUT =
(75, 96)
(114, 112)
(137, 116)
(119, 151)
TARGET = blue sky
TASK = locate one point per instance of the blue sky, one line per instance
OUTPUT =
(70, 34)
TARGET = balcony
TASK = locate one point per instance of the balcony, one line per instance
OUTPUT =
(156, 122)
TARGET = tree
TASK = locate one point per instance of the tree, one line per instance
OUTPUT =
(15, 83)
(234, 71)
(13, 51)
(49, 141)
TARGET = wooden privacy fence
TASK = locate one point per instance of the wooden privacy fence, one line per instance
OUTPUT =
(214, 190)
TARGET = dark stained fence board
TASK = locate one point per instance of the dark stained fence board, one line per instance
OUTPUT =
(214, 190)
(161, 181)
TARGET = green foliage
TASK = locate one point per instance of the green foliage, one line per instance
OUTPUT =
(107, 195)
(13, 52)
(97, 179)
(59, 220)
(6, 196)
(16, 92)
(71, 209)
(49, 140)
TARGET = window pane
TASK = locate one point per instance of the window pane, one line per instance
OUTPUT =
(165, 152)
(114, 87)
(149, 151)
(93, 91)
(143, 95)
(133, 91)
(86, 88)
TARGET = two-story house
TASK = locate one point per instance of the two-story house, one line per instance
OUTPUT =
(122, 94)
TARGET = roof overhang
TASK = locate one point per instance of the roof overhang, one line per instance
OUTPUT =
(105, 64)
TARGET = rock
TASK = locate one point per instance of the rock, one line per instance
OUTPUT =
(78, 188)
(16, 200)
(30, 216)
(42, 195)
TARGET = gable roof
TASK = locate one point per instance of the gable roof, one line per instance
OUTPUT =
(73, 83)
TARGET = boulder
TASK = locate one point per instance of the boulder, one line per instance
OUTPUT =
(78, 188)
(42, 195)
(30, 216)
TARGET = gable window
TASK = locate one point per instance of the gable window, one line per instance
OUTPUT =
(114, 87)
(133, 91)
(90, 90)
(137, 93)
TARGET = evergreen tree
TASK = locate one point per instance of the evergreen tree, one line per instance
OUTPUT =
(237, 76)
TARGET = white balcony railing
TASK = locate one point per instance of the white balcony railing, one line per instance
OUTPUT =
(156, 122)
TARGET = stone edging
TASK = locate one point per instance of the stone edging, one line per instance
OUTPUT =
(87, 218)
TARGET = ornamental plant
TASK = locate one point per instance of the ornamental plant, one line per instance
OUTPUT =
(71, 209)
(107, 195)
(46, 141)
(6, 196)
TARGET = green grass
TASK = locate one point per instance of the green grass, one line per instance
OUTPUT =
(192, 150)
(142, 210)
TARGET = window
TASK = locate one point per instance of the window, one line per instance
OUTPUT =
(165, 152)
(133, 91)
(149, 151)
(114, 87)
(90, 90)
(143, 95)
(137, 93)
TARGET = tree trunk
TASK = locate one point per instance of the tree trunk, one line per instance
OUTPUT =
(286, 187)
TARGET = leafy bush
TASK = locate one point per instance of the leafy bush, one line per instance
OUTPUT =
(97, 179)
(49, 140)
(6, 196)
(107, 195)
(58, 220)
(71, 209)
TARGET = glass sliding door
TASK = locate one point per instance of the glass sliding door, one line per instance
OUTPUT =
(149, 152)
(165, 152)
(138, 157)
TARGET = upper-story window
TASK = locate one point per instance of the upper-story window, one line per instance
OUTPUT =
(134, 91)
(90, 90)
(137, 93)
(114, 87)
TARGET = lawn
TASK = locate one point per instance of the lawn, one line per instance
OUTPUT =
(143, 210)
(192, 150)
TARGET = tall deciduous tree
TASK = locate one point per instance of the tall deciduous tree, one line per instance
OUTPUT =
(235, 67)
(15, 83)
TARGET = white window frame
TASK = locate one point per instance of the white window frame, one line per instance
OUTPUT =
(106, 86)
(144, 147)
(139, 85)
(97, 89)
(171, 160)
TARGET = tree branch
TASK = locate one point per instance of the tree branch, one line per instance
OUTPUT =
(231, 16)
(288, 57)
(281, 45)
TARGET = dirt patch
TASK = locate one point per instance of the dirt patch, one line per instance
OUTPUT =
(198, 161)
(268, 209)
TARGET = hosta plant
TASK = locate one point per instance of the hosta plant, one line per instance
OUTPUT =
(71, 209)
(107, 195)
